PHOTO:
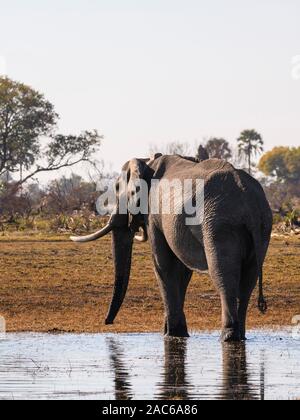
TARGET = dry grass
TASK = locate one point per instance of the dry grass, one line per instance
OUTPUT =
(51, 284)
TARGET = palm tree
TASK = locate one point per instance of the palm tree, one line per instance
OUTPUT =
(250, 143)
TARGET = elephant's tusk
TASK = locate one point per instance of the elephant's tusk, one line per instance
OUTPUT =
(94, 236)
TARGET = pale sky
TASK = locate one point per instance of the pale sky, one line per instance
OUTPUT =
(156, 71)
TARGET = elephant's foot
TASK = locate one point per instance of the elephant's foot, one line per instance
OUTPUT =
(177, 334)
(230, 335)
(243, 336)
(180, 330)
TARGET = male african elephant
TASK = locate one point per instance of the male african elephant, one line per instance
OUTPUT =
(231, 242)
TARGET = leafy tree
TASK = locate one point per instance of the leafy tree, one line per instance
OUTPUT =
(218, 148)
(25, 115)
(292, 161)
(250, 144)
(282, 163)
(27, 118)
(283, 197)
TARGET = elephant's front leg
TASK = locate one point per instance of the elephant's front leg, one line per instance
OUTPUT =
(173, 277)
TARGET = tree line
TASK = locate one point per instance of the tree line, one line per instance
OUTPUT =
(31, 144)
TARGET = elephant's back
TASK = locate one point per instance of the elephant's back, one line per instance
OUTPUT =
(177, 167)
(235, 196)
(231, 195)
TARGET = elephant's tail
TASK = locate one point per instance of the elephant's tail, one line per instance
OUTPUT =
(257, 240)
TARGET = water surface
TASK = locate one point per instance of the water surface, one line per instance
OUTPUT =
(147, 366)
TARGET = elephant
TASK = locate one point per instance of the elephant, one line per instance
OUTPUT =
(230, 242)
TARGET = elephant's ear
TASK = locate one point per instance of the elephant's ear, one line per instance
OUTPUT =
(137, 169)
(137, 173)
(155, 156)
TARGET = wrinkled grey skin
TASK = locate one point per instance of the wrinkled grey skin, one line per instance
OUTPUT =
(231, 243)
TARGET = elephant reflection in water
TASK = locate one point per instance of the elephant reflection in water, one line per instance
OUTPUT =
(175, 385)
(123, 389)
(236, 383)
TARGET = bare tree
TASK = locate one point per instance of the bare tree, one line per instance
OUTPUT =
(172, 148)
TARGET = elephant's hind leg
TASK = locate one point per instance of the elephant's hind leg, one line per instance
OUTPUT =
(173, 328)
(248, 282)
(174, 278)
(224, 261)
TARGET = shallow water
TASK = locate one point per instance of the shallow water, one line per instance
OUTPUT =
(147, 366)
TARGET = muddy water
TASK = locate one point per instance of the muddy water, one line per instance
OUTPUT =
(145, 366)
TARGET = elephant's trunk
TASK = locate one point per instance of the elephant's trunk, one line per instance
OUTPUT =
(122, 241)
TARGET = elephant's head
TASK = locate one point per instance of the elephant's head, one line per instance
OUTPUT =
(124, 227)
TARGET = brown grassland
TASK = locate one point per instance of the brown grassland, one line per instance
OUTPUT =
(51, 284)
